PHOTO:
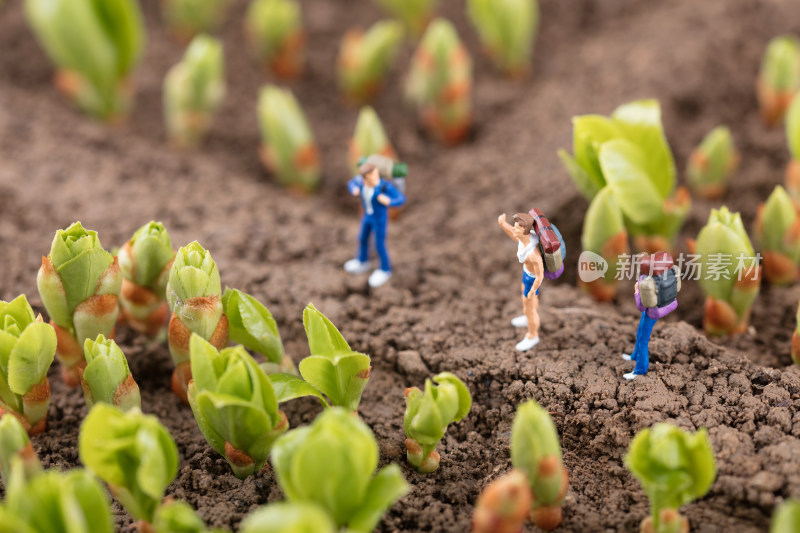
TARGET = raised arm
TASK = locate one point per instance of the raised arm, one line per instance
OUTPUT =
(396, 198)
(354, 185)
(505, 226)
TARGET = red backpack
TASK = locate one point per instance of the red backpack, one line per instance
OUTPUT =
(551, 244)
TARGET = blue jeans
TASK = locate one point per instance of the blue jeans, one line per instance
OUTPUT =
(641, 353)
(378, 226)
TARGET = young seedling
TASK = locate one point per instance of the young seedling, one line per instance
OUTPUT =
(414, 14)
(368, 138)
(604, 234)
(274, 29)
(728, 272)
(286, 517)
(504, 505)
(628, 152)
(777, 231)
(366, 58)
(133, 453)
(674, 467)
(27, 349)
(79, 283)
(145, 261)
(95, 46)
(712, 164)
(178, 517)
(107, 378)
(792, 178)
(332, 369)
(288, 149)
(15, 445)
(507, 29)
(535, 450)
(779, 77)
(331, 463)
(193, 91)
(429, 413)
(235, 405)
(439, 83)
(194, 294)
(187, 18)
(786, 518)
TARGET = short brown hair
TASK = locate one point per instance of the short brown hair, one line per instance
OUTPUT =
(366, 168)
(524, 220)
(655, 264)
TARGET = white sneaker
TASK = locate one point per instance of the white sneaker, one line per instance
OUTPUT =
(379, 277)
(527, 343)
(630, 376)
(354, 266)
(520, 321)
(627, 357)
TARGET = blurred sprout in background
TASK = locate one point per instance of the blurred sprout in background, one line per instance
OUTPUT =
(414, 14)
(712, 164)
(274, 29)
(507, 29)
(368, 138)
(779, 78)
(365, 58)
(777, 231)
(187, 18)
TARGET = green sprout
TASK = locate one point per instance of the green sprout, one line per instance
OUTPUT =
(178, 517)
(332, 463)
(628, 153)
(535, 450)
(194, 294)
(414, 14)
(507, 29)
(786, 518)
(793, 139)
(365, 58)
(712, 164)
(285, 517)
(779, 77)
(107, 378)
(274, 29)
(429, 413)
(288, 148)
(193, 91)
(439, 83)
(187, 18)
(251, 324)
(133, 453)
(79, 283)
(145, 261)
(235, 405)
(369, 138)
(604, 234)
(27, 349)
(95, 46)
(729, 272)
(504, 505)
(15, 445)
(332, 369)
(674, 468)
(777, 231)
(55, 501)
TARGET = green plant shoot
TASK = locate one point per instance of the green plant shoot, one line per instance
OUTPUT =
(712, 164)
(414, 14)
(286, 517)
(429, 413)
(175, 516)
(604, 234)
(107, 378)
(193, 91)
(674, 467)
(439, 83)
(95, 47)
(15, 445)
(535, 450)
(729, 272)
(779, 77)
(332, 463)
(133, 453)
(777, 231)
(79, 283)
(504, 505)
(27, 349)
(365, 59)
(628, 152)
(194, 293)
(507, 29)
(288, 148)
(786, 518)
(145, 261)
(368, 138)
(274, 29)
(187, 18)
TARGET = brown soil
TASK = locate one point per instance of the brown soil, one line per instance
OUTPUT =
(456, 281)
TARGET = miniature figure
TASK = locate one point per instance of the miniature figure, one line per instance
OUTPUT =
(536, 238)
(377, 194)
(656, 295)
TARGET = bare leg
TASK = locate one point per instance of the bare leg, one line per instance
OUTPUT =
(533, 317)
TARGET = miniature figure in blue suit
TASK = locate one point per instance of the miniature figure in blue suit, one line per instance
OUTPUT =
(377, 196)
(655, 267)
